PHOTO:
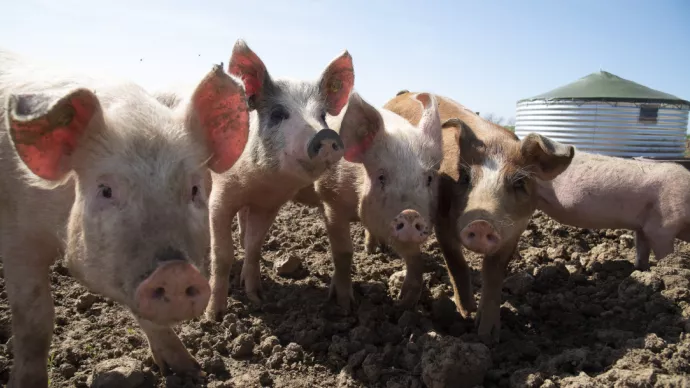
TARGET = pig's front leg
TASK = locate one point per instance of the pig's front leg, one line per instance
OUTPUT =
(489, 315)
(222, 253)
(642, 251)
(338, 229)
(459, 271)
(257, 225)
(169, 353)
(412, 285)
(28, 290)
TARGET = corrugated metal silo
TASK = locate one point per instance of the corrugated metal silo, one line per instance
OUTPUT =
(603, 113)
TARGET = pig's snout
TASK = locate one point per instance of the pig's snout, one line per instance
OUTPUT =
(327, 145)
(175, 292)
(479, 236)
(410, 227)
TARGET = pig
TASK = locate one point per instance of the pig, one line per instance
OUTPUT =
(487, 195)
(604, 192)
(388, 181)
(290, 145)
(112, 179)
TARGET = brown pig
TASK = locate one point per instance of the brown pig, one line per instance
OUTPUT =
(388, 181)
(487, 194)
(604, 192)
(112, 178)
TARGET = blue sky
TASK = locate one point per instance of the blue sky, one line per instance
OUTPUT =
(484, 54)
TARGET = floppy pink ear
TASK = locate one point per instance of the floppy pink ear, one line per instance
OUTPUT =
(360, 126)
(220, 106)
(336, 83)
(46, 130)
(247, 66)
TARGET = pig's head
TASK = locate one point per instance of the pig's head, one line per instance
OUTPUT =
(495, 191)
(401, 163)
(289, 117)
(138, 228)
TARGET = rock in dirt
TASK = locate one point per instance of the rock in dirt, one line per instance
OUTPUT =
(519, 284)
(293, 353)
(268, 344)
(395, 281)
(287, 265)
(124, 372)
(242, 346)
(450, 362)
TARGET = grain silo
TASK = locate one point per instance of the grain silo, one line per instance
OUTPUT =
(603, 113)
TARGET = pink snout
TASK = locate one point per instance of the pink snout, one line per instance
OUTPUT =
(175, 292)
(479, 236)
(409, 227)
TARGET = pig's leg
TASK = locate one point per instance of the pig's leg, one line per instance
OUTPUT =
(338, 229)
(371, 243)
(460, 273)
(222, 252)
(242, 223)
(642, 251)
(257, 225)
(489, 315)
(412, 285)
(26, 267)
(168, 351)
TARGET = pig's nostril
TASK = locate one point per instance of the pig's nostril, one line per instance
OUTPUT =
(191, 291)
(491, 238)
(471, 235)
(335, 147)
(418, 227)
(399, 226)
(317, 148)
(159, 293)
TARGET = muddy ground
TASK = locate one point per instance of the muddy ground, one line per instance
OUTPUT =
(575, 314)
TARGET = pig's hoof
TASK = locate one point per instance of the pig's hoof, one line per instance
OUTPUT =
(181, 363)
(255, 297)
(466, 309)
(408, 297)
(345, 299)
(489, 330)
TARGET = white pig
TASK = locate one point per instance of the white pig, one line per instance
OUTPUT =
(290, 146)
(604, 192)
(116, 181)
(388, 181)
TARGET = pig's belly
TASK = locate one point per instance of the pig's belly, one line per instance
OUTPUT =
(595, 216)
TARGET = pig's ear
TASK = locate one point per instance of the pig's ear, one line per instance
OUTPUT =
(336, 83)
(219, 113)
(463, 132)
(430, 122)
(361, 123)
(247, 66)
(549, 158)
(46, 129)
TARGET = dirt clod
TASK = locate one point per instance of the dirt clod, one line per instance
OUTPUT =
(124, 372)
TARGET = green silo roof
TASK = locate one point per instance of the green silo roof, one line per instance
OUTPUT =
(604, 86)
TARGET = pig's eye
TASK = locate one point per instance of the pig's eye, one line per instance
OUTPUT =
(195, 192)
(105, 191)
(519, 184)
(464, 178)
(278, 115)
(429, 179)
(382, 180)
(323, 116)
